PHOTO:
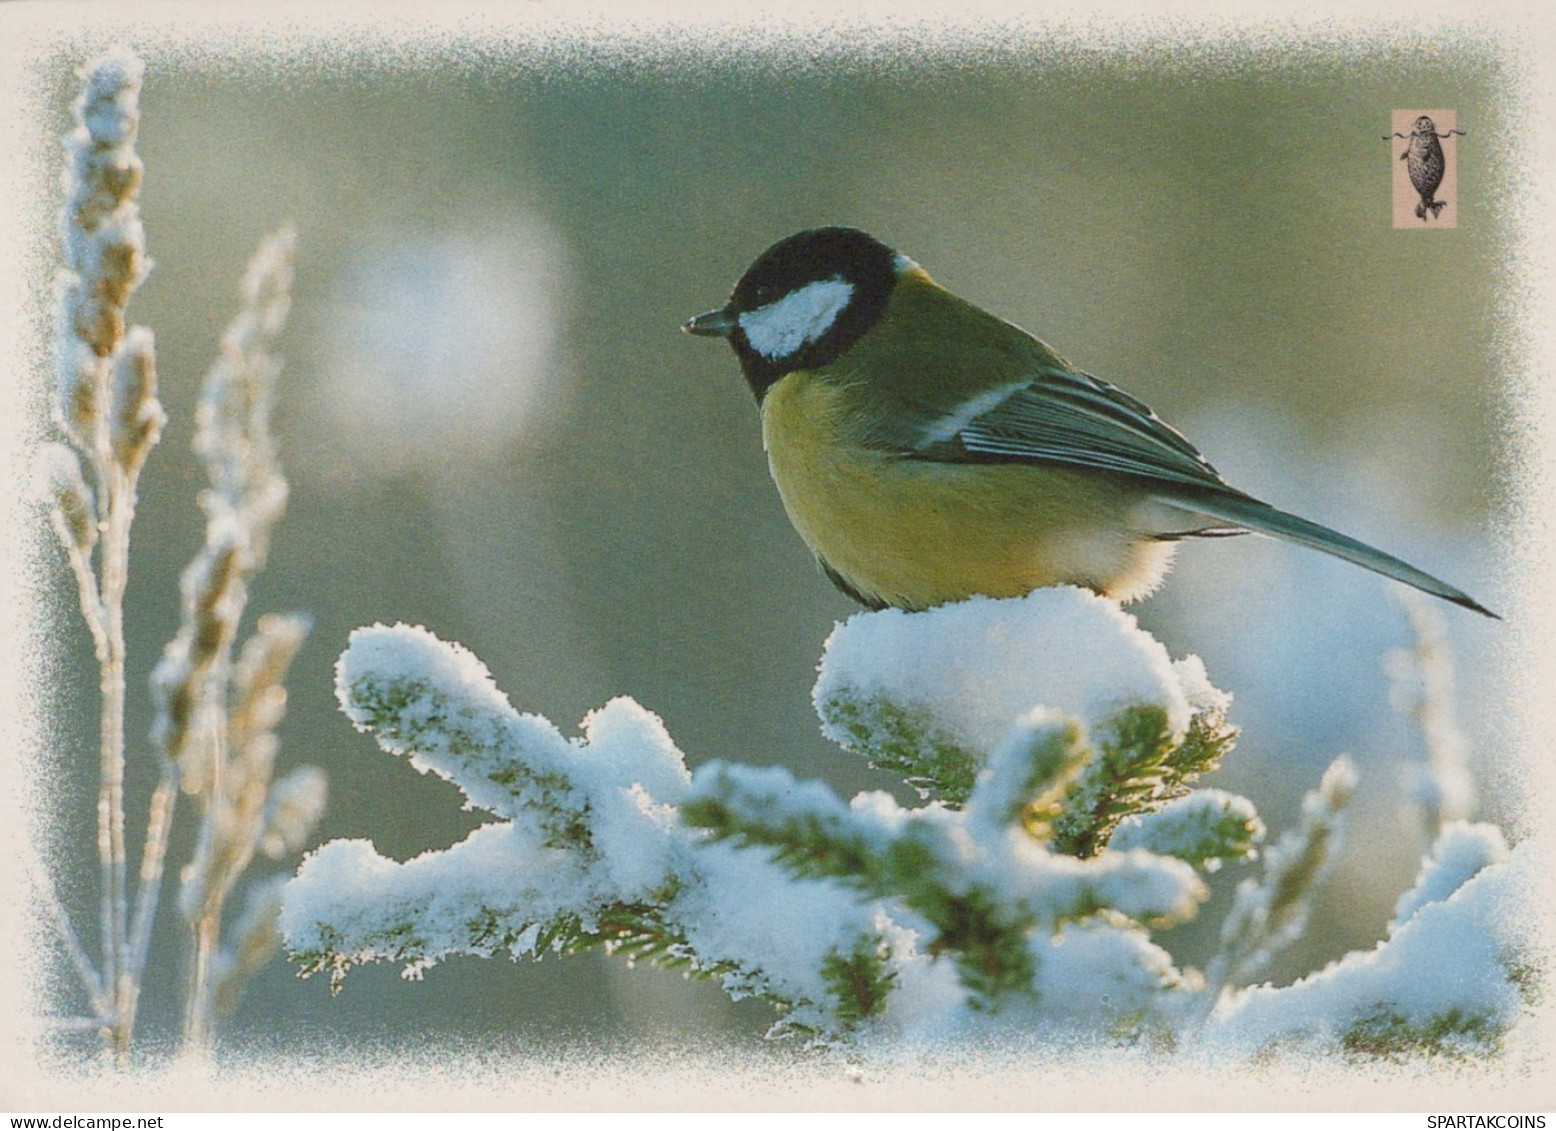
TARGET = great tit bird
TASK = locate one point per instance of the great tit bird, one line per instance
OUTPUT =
(927, 451)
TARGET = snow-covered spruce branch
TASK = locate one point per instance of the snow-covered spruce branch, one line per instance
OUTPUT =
(976, 887)
(861, 913)
(933, 716)
(587, 850)
(1060, 744)
(214, 735)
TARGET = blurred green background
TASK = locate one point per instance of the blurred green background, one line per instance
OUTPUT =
(493, 427)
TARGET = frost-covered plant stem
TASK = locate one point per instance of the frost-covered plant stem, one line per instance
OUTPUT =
(153, 860)
(1444, 788)
(215, 716)
(109, 412)
(1271, 913)
(80, 960)
(214, 731)
(110, 801)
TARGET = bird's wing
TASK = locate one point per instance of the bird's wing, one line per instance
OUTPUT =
(1069, 418)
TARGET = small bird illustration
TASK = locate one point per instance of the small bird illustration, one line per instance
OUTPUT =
(927, 451)
(1425, 162)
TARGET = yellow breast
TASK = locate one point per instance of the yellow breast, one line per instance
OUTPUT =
(916, 533)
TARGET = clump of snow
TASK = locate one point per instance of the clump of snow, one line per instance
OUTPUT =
(435, 702)
(1461, 851)
(1039, 752)
(1185, 826)
(1203, 696)
(955, 852)
(1139, 884)
(876, 869)
(978, 665)
(1449, 958)
(928, 1004)
(346, 897)
(1094, 972)
(591, 821)
(626, 746)
(745, 910)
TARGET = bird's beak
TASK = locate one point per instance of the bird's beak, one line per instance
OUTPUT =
(714, 324)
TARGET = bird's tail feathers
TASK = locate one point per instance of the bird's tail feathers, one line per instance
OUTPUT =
(1245, 511)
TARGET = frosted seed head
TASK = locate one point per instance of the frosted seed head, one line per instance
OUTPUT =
(60, 483)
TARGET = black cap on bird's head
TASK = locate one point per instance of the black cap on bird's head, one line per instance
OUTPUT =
(803, 302)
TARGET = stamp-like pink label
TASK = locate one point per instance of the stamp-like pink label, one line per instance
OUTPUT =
(1426, 168)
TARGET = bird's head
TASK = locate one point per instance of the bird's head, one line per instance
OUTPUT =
(803, 302)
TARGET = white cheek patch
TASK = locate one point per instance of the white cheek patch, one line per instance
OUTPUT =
(797, 319)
